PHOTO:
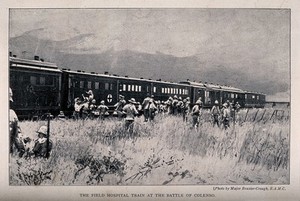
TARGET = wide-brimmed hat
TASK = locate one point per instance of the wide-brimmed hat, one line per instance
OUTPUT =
(89, 92)
(216, 102)
(102, 102)
(42, 130)
(198, 102)
(94, 101)
(121, 96)
(175, 97)
(132, 100)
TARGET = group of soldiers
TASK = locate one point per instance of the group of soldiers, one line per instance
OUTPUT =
(86, 107)
(174, 106)
(19, 143)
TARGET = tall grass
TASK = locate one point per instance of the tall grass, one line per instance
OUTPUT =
(166, 151)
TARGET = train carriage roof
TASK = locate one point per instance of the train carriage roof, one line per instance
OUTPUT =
(124, 78)
(36, 63)
(213, 86)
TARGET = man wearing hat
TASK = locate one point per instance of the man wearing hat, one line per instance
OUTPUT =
(196, 112)
(185, 108)
(215, 112)
(174, 105)
(146, 107)
(130, 111)
(119, 106)
(102, 110)
(226, 115)
(41, 147)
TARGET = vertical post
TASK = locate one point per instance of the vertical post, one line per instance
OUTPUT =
(48, 135)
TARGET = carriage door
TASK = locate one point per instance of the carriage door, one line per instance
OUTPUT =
(207, 99)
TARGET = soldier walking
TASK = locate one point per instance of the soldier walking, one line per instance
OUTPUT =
(146, 107)
(196, 112)
(130, 111)
(226, 116)
(119, 106)
(102, 110)
(215, 112)
(186, 108)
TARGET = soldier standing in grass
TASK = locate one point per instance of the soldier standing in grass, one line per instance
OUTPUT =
(174, 105)
(196, 112)
(119, 106)
(130, 111)
(215, 112)
(226, 115)
(152, 109)
(146, 107)
(179, 106)
(102, 110)
(77, 108)
(186, 108)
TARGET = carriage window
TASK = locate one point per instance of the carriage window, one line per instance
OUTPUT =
(236, 96)
(176, 91)
(172, 90)
(136, 88)
(124, 87)
(253, 97)
(33, 80)
(232, 95)
(106, 86)
(257, 97)
(81, 84)
(49, 81)
(180, 91)
(129, 87)
(111, 86)
(162, 90)
(42, 80)
(89, 84)
(96, 85)
(154, 89)
(140, 88)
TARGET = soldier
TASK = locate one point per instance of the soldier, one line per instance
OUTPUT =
(237, 107)
(179, 106)
(102, 110)
(196, 112)
(77, 108)
(92, 108)
(169, 107)
(130, 111)
(186, 108)
(152, 109)
(226, 116)
(85, 109)
(119, 106)
(215, 112)
(174, 105)
(14, 128)
(61, 115)
(41, 147)
(90, 95)
(145, 106)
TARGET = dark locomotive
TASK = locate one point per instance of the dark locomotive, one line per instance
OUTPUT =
(40, 87)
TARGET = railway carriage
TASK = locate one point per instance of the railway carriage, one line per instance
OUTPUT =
(40, 87)
(36, 87)
(108, 88)
(254, 99)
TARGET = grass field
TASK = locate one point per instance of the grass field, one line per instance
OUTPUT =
(168, 152)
